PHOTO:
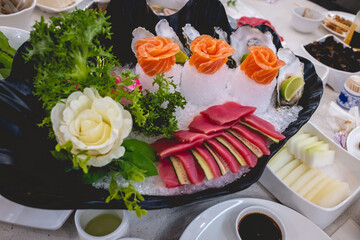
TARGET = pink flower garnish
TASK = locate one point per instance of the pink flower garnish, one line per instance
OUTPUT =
(129, 88)
(133, 87)
(125, 102)
(118, 80)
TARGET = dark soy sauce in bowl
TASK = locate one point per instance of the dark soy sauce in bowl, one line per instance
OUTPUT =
(258, 226)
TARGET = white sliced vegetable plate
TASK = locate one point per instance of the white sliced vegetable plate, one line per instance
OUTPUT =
(345, 168)
(218, 222)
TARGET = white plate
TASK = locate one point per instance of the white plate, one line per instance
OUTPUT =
(218, 221)
(16, 36)
(347, 16)
(352, 142)
(32, 217)
(81, 4)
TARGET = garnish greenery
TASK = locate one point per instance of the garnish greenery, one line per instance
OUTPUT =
(136, 164)
(231, 3)
(7, 54)
(160, 107)
(68, 55)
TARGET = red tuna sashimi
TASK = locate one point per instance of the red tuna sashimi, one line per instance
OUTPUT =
(255, 138)
(189, 136)
(192, 168)
(262, 126)
(225, 154)
(227, 112)
(201, 124)
(167, 174)
(210, 160)
(249, 157)
(165, 147)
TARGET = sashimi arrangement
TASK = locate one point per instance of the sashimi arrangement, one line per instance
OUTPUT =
(218, 141)
(189, 115)
(218, 70)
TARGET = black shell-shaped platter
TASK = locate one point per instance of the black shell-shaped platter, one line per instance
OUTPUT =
(29, 175)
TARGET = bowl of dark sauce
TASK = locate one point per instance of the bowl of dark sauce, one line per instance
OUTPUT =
(259, 223)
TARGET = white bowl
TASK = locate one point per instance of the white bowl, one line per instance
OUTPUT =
(82, 217)
(306, 24)
(346, 168)
(265, 211)
(20, 19)
(82, 4)
(173, 4)
(336, 78)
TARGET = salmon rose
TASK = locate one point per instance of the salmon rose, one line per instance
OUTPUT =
(156, 55)
(261, 65)
(209, 54)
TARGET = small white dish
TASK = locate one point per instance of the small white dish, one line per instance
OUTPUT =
(217, 222)
(83, 217)
(308, 23)
(345, 168)
(262, 210)
(20, 19)
(353, 141)
(70, 8)
(347, 16)
(336, 78)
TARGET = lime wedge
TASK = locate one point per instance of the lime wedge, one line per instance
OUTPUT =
(181, 57)
(291, 86)
(244, 57)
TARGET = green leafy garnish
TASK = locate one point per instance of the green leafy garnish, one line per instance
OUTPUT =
(231, 3)
(68, 56)
(6, 56)
(137, 163)
(161, 107)
(128, 194)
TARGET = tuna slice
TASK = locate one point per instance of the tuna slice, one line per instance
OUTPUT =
(254, 137)
(165, 147)
(225, 154)
(167, 174)
(192, 168)
(262, 126)
(227, 112)
(210, 160)
(201, 124)
(189, 136)
(249, 157)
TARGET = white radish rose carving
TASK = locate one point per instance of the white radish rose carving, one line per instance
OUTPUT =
(92, 123)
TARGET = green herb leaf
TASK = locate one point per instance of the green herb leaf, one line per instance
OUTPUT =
(94, 175)
(161, 106)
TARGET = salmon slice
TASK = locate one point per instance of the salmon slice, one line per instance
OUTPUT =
(156, 55)
(209, 54)
(261, 65)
